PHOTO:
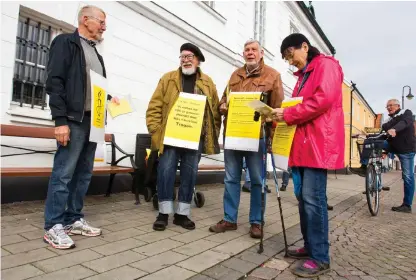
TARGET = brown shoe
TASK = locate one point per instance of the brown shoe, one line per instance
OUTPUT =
(223, 226)
(255, 231)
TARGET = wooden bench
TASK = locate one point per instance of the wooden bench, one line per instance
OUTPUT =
(48, 133)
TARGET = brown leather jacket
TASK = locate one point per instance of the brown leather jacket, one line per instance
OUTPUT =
(264, 79)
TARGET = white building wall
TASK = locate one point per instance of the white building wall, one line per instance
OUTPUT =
(141, 43)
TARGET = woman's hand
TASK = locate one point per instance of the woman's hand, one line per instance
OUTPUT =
(277, 114)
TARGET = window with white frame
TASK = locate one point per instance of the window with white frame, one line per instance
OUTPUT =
(210, 4)
(260, 21)
(31, 58)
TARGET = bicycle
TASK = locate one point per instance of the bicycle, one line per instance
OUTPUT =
(372, 148)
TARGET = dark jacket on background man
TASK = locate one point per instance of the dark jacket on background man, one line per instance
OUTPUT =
(66, 81)
(404, 142)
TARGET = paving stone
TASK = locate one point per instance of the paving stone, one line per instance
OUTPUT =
(235, 246)
(34, 234)
(239, 265)
(277, 264)
(11, 239)
(405, 268)
(366, 277)
(121, 273)
(394, 277)
(17, 229)
(170, 273)
(155, 236)
(122, 234)
(197, 247)
(73, 273)
(121, 226)
(265, 273)
(107, 263)
(25, 246)
(224, 237)
(158, 247)
(85, 243)
(118, 246)
(4, 252)
(24, 258)
(220, 272)
(203, 261)
(201, 277)
(20, 272)
(68, 260)
(191, 236)
(253, 257)
(158, 262)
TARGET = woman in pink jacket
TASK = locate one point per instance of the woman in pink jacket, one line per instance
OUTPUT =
(318, 144)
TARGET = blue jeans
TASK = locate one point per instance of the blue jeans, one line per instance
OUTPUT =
(166, 175)
(285, 178)
(71, 176)
(233, 168)
(407, 162)
(313, 213)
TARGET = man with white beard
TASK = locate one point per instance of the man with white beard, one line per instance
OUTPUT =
(190, 79)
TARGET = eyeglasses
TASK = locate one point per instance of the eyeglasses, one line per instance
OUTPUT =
(102, 22)
(289, 53)
(391, 105)
(186, 57)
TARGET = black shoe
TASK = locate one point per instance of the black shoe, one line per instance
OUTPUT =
(183, 221)
(283, 188)
(267, 189)
(385, 188)
(246, 187)
(402, 208)
(329, 207)
(161, 222)
(360, 171)
(311, 268)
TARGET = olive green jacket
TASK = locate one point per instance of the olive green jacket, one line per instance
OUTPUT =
(165, 96)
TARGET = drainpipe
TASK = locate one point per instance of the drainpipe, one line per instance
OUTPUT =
(353, 89)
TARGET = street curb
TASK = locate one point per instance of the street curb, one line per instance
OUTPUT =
(274, 245)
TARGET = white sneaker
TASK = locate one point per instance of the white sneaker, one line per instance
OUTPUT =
(58, 238)
(82, 227)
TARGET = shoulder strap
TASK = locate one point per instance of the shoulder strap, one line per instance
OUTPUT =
(305, 78)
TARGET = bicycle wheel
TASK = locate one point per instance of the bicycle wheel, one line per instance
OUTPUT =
(371, 190)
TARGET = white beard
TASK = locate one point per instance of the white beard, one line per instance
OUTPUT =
(188, 71)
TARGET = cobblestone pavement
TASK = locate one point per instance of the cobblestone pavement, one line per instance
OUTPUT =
(130, 249)
(362, 247)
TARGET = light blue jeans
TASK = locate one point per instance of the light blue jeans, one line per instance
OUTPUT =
(233, 168)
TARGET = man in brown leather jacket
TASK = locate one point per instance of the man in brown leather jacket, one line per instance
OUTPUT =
(254, 76)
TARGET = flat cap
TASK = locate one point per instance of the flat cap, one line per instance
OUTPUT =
(194, 49)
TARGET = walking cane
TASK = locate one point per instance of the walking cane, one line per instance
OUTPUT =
(280, 204)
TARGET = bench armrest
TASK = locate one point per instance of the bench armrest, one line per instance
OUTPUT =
(115, 161)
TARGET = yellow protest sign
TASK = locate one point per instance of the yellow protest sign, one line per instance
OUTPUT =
(242, 133)
(183, 128)
(283, 137)
(98, 105)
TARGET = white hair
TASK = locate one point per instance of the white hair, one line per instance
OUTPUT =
(88, 11)
(395, 101)
(251, 41)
